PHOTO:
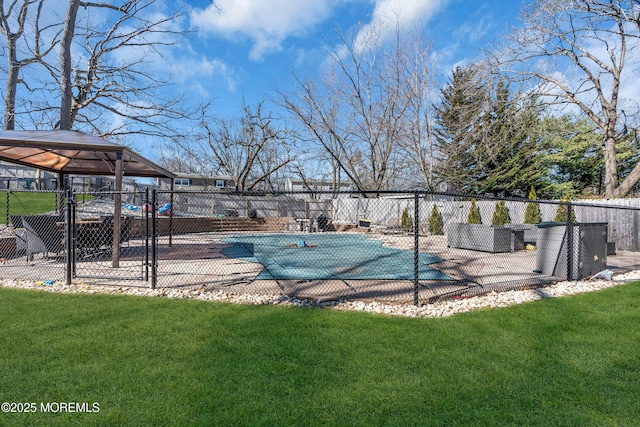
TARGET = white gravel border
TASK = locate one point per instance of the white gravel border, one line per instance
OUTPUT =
(439, 309)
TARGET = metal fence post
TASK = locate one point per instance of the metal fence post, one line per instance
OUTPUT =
(146, 234)
(74, 231)
(416, 257)
(154, 238)
(69, 238)
(7, 206)
(171, 210)
(570, 248)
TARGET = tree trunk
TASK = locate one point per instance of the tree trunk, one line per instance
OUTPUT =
(66, 86)
(629, 182)
(610, 167)
(11, 87)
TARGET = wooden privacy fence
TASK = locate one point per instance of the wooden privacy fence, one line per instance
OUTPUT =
(622, 216)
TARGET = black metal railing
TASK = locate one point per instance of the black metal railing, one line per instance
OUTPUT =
(407, 246)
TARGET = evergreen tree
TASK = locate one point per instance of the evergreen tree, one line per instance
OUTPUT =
(575, 160)
(532, 211)
(487, 141)
(563, 210)
(457, 119)
(405, 220)
(435, 221)
(500, 214)
(474, 214)
(512, 153)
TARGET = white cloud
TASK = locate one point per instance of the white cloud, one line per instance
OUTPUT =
(391, 14)
(204, 75)
(475, 31)
(267, 23)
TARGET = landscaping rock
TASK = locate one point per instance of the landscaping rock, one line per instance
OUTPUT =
(438, 309)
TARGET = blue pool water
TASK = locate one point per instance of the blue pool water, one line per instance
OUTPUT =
(325, 256)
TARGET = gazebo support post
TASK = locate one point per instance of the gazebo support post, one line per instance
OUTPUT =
(60, 193)
(117, 212)
(171, 214)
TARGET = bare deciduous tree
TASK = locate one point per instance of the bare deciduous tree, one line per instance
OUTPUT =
(99, 70)
(359, 112)
(13, 20)
(418, 141)
(109, 82)
(250, 149)
(178, 155)
(576, 52)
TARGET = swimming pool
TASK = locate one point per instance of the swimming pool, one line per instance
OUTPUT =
(326, 256)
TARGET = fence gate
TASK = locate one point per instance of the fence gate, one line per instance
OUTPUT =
(97, 252)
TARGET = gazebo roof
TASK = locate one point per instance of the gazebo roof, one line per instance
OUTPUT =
(73, 152)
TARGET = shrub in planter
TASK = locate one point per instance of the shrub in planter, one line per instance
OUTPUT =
(532, 211)
(405, 220)
(563, 210)
(474, 214)
(435, 222)
(500, 214)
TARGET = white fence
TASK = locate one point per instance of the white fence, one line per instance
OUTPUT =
(217, 203)
(622, 216)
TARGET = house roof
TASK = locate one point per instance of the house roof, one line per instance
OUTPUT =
(322, 182)
(73, 152)
(199, 176)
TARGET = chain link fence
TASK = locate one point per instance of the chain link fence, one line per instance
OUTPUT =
(408, 247)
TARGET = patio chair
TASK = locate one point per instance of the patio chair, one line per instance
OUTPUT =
(93, 238)
(16, 221)
(126, 224)
(99, 240)
(165, 210)
(19, 233)
(28, 183)
(44, 234)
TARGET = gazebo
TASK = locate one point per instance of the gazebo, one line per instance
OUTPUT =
(72, 152)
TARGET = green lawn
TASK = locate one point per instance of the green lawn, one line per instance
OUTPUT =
(154, 361)
(26, 203)
(30, 203)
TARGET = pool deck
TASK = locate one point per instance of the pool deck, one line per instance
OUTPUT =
(197, 261)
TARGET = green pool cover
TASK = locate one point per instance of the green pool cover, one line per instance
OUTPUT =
(329, 256)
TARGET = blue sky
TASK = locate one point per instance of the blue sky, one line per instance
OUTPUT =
(248, 48)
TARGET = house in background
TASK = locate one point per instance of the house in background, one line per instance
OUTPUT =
(325, 187)
(192, 181)
(18, 177)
